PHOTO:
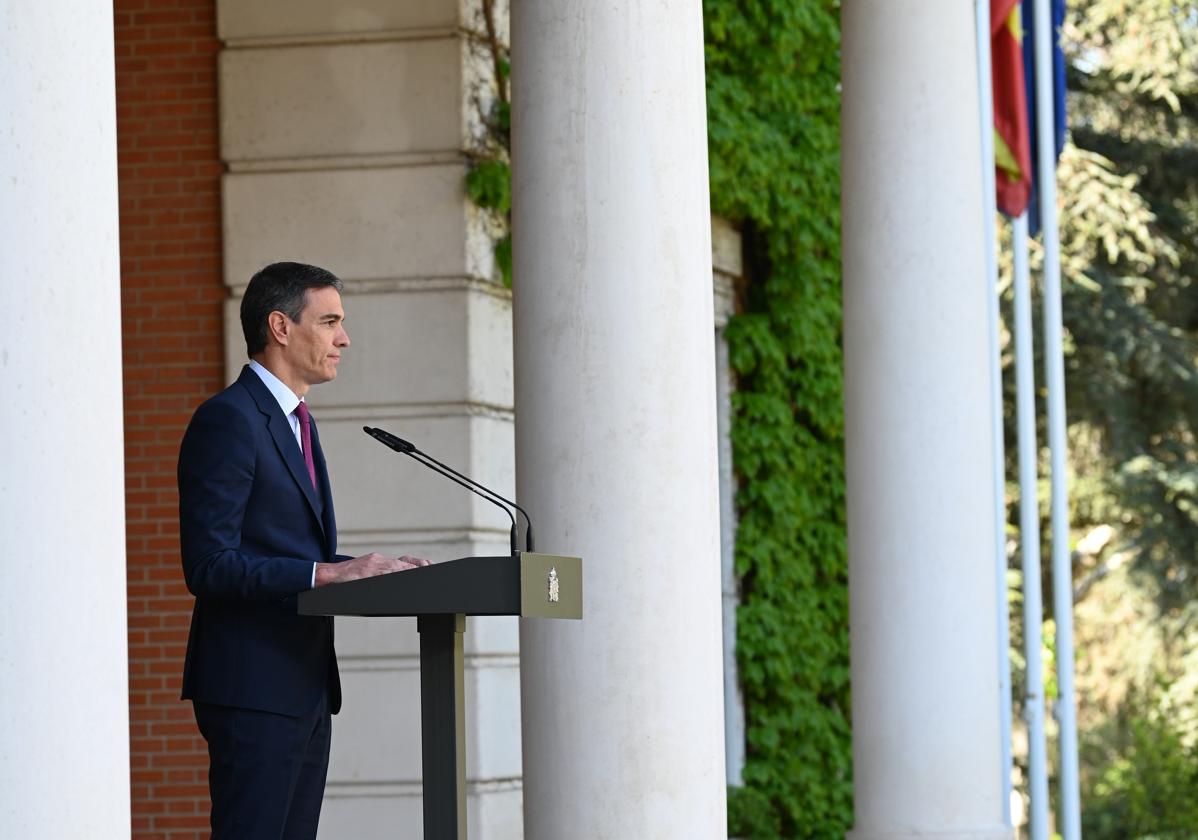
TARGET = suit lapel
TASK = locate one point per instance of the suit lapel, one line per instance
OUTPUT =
(284, 439)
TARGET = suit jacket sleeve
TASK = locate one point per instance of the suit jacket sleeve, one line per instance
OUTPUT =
(216, 479)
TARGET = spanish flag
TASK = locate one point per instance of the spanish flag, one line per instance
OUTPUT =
(1012, 143)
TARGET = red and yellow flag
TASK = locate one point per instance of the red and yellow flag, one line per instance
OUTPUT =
(1012, 143)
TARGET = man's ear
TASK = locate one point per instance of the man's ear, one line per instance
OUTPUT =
(280, 326)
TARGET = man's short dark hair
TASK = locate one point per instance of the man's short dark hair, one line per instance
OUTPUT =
(282, 287)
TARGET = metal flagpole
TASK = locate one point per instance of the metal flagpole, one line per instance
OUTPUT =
(1029, 536)
(989, 219)
(1062, 567)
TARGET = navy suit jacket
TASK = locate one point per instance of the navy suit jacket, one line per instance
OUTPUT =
(251, 526)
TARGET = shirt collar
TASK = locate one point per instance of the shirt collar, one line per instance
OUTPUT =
(285, 397)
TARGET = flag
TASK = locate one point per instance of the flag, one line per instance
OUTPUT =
(1058, 90)
(1012, 140)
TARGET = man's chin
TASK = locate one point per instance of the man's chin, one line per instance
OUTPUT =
(326, 375)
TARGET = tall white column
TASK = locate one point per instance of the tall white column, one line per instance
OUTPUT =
(615, 406)
(64, 719)
(918, 434)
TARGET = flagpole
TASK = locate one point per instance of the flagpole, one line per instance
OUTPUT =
(989, 230)
(1062, 567)
(1029, 536)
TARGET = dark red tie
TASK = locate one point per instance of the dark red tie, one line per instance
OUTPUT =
(305, 418)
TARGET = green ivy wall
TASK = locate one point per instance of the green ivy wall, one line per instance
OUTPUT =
(773, 74)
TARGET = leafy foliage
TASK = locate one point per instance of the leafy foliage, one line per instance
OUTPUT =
(489, 178)
(1146, 787)
(751, 815)
(1145, 48)
(1130, 186)
(489, 185)
(773, 125)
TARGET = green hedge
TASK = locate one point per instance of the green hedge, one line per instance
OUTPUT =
(773, 73)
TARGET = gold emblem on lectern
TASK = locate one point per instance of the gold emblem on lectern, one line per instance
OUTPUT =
(554, 593)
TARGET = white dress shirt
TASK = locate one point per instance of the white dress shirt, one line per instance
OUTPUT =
(287, 401)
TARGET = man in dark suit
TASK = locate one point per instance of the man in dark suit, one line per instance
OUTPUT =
(256, 528)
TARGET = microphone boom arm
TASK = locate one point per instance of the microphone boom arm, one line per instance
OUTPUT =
(528, 541)
(402, 446)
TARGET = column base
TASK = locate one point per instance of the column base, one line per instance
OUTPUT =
(997, 832)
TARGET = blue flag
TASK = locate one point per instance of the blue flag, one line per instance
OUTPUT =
(1058, 87)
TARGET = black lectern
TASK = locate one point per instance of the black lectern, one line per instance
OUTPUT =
(441, 596)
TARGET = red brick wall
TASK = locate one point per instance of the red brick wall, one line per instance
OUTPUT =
(171, 293)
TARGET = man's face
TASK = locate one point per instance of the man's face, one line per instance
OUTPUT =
(316, 340)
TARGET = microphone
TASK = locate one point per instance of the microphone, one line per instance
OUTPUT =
(388, 439)
(405, 447)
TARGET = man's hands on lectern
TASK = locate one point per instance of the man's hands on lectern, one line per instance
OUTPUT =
(368, 565)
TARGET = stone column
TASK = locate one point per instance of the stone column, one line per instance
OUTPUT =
(917, 403)
(616, 431)
(64, 719)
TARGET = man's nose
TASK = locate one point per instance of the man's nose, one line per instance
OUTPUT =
(343, 338)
